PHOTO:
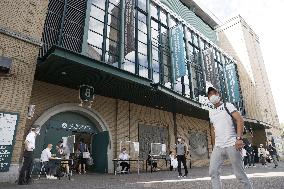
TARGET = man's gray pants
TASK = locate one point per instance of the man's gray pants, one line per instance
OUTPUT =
(216, 161)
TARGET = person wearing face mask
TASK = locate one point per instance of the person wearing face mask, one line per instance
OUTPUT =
(181, 150)
(124, 164)
(228, 141)
(24, 176)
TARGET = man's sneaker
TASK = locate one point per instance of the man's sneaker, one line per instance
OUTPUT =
(47, 176)
(52, 177)
(180, 175)
(185, 175)
(254, 166)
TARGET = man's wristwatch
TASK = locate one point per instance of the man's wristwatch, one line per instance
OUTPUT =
(239, 138)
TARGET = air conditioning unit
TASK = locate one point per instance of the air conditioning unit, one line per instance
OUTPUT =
(5, 65)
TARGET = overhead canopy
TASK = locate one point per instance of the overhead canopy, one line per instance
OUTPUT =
(256, 125)
(70, 69)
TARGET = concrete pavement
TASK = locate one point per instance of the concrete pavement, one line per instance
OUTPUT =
(261, 177)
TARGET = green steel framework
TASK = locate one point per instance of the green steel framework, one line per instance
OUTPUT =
(200, 81)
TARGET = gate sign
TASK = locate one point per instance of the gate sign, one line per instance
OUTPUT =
(86, 93)
(178, 51)
(8, 126)
(232, 82)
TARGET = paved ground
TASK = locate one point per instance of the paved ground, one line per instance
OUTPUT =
(262, 178)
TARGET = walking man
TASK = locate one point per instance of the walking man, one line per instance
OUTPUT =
(273, 154)
(227, 141)
(181, 151)
(24, 177)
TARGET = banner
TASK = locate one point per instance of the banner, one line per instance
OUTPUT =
(129, 27)
(209, 65)
(178, 51)
(232, 83)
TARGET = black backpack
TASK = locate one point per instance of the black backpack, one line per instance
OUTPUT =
(234, 123)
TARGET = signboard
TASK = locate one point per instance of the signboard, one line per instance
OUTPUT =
(209, 65)
(86, 93)
(8, 126)
(232, 83)
(178, 51)
(80, 127)
(129, 27)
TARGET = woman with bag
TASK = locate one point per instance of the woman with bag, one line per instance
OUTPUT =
(84, 154)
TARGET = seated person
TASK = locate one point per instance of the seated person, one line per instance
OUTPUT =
(124, 164)
(151, 161)
(174, 162)
(49, 166)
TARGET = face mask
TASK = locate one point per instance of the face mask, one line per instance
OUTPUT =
(214, 99)
(124, 152)
(179, 140)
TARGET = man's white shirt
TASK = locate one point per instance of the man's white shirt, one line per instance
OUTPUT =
(31, 141)
(225, 134)
(123, 156)
(45, 155)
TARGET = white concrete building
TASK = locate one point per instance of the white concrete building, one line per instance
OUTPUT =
(237, 38)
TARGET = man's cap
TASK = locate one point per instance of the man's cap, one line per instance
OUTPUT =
(261, 145)
(211, 89)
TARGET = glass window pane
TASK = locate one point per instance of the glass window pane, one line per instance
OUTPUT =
(128, 66)
(142, 48)
(112, 46)
(155, 53)
(115, 2)
(156, 66)
(142, 27)
(112, 33)
(95, 39)
(156, 77)
(113, 21)
(97, 13)
(142, 4)
(143, 60)
(163, 17)
(96, 25)
(99, 3)
(143, 71)
(94, 52)
(154, 11)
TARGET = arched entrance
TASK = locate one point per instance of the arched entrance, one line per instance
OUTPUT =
(70, 119)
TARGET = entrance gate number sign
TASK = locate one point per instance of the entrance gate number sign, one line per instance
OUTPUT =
(8, 126)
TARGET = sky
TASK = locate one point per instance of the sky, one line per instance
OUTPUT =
(265, 18)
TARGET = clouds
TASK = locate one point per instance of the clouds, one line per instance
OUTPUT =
(265, 18)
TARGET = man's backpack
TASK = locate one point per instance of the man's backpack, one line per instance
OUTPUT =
(234, 122)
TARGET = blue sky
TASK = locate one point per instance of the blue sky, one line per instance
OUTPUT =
(265, 18)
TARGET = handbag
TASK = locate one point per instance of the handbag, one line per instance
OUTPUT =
(86, 155)
(90, 161)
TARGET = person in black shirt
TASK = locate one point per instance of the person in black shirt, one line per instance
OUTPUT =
(152, 162)
(250, 155)
(273, 153)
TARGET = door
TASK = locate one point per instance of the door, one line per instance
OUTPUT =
(100, 143)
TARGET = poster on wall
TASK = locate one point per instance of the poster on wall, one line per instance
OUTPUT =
(198, 145)
(8, 126)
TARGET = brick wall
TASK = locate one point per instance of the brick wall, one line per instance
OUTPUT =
(123, 121)
(21, 24)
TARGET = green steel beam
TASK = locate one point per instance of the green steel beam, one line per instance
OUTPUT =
(189, 68)
(136, 40)
(171, 49)
(62, 23)
(122, 34)
(105, 31)
(149, 41)
(86, 28)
